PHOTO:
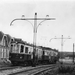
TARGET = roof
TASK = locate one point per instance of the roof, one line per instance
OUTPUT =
(8, 38)
(1, 35)
(6, 41)
(17, 40)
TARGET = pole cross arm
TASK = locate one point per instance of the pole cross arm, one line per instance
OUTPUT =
(38, 19)
(20, 19)
(32, 19)
(53, 38)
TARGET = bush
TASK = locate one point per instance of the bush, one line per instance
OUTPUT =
(66, 69)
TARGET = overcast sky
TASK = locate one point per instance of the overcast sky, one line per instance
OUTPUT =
(62, 11)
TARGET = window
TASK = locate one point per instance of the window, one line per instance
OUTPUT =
(22, 48)
(17, 47)
(12, 40)
(26, 49)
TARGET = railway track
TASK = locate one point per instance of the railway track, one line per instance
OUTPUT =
(34, 70)
(8, 68)
(19, 70)
(43, 71)
(5, 70)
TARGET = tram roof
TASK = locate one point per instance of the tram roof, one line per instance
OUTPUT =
(20, 41)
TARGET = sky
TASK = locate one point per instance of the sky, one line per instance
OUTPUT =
(64, 24)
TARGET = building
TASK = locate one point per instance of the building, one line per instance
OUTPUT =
(5, 40)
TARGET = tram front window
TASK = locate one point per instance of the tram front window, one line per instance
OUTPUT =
(22, 49)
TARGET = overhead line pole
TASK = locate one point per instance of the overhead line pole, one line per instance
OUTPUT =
(34, 31)
(62, 38)
(73, 52)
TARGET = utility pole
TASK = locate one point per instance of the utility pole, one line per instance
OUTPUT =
(73, 52)
(62, 39)
(35, 27)
(34, 39)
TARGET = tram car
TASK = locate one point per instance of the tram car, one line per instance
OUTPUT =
(22, 53)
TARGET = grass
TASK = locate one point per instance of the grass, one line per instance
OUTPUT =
(66, 70)
(63, 70)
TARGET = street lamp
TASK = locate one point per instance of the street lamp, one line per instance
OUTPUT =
(35, 26)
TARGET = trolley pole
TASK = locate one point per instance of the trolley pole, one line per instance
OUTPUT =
(35, 27)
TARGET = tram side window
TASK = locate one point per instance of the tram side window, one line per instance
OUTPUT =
(22, 48)
(26, 49)
(17, 48)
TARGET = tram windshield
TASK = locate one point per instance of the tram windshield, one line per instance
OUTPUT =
(14, 48)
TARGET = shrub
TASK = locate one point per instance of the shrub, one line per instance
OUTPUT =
(66, 69)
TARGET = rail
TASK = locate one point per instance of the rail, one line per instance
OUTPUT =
(33, 70)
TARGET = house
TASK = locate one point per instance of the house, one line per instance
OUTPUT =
(5, 40)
